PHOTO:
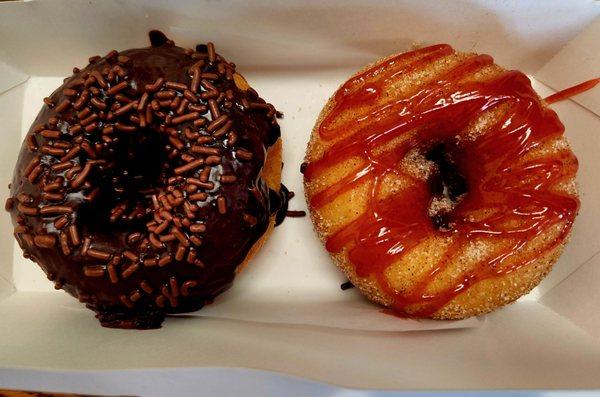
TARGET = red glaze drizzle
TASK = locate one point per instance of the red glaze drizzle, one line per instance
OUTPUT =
(572, 91)
(520, 195)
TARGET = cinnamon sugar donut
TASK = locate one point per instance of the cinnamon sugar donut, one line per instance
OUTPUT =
(148, 179)
(440, 183)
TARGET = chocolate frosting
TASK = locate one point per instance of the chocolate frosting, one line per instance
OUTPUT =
(149, 209)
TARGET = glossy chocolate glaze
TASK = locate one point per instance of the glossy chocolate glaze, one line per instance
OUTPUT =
(139, 161)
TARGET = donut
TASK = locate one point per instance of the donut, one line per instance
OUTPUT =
(147, 181)
(440, 183)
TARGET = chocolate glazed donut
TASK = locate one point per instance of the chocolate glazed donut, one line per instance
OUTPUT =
(143, 184)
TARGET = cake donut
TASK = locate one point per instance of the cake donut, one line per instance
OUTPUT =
(440, 183)
(147, 181)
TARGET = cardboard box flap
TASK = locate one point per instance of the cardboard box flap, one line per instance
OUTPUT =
(286, 312)
(577, 62)
(12, 93)
(10, 77)
(266, 34)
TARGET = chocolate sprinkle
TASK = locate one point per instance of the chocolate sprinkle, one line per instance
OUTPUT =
(295, 214)
(303, 167)
(346, 285)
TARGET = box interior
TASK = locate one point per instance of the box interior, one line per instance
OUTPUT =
(286, 313)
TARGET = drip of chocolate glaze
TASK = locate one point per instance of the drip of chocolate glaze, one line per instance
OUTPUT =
(279, 201)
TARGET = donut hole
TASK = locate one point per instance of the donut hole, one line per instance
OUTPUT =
(447, 185)
(138, 161)
(134, 169)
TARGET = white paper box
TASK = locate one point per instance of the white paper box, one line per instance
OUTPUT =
(286, 312)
